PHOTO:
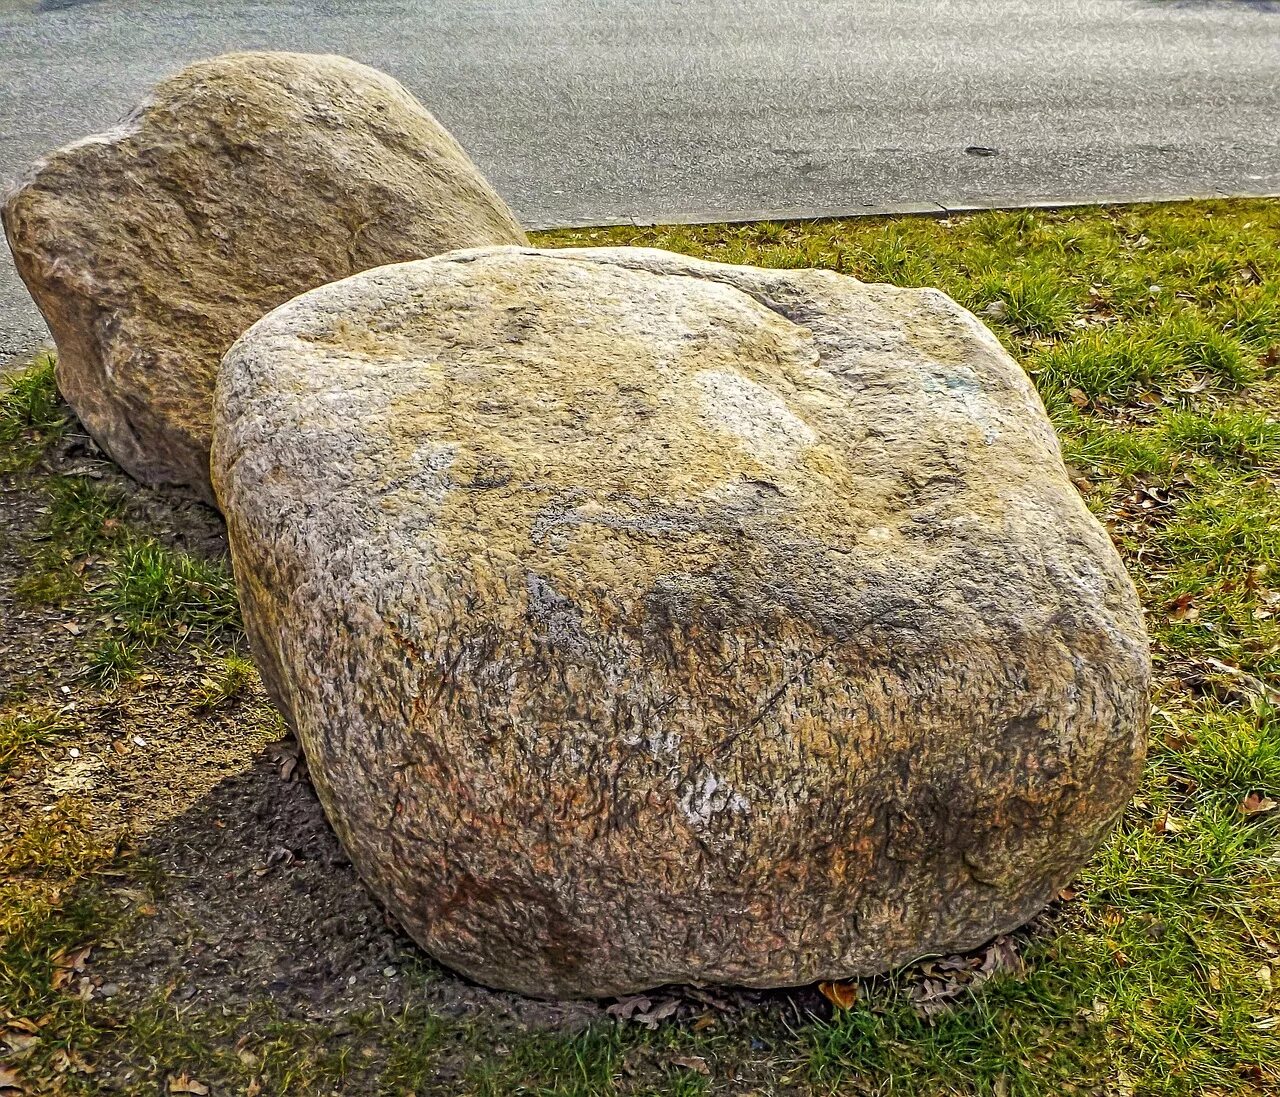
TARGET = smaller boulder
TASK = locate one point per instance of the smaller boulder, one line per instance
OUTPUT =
(241, 182)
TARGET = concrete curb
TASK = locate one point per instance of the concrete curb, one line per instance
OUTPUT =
(892, 209)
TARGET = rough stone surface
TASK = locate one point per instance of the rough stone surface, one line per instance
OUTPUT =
(645, 619)
(241, 182)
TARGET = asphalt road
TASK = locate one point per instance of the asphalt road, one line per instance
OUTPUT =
(684, 110)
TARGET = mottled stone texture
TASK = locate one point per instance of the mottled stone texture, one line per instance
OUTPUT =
(240, 183)
(646, 619)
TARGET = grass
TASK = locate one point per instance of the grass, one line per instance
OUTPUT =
(23, 729)
(153, 590)
(1153, 335)
(85, 545)
(31, 415)
(228, 677)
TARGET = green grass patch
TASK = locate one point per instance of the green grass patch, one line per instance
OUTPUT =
(1239, 437)
(21, 731)
(155, 591)
(51, 904)
(226, 678)
(31, 414)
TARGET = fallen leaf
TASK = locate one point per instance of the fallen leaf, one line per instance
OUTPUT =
(1179, 740)
(67, 964)
(1257, 804)
(934, 996)
(625, 1008)
(840, 995)
(1251, 683)
(17, 1043)
(70, 1061)
(184, 1083)
(1082, 483)
(660, 1012)
(1166, 824)
(10, 1078)
(1002, 956)
(1078, 398)
(692, 1062)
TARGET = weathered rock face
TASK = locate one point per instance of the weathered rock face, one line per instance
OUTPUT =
(645, 619)
(240, 183)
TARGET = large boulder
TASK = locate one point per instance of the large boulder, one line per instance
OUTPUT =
(239, 183)
(646, 619)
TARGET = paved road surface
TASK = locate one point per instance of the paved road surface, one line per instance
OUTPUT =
(587, 112)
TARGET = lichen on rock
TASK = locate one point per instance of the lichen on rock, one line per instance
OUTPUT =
(651, 620)
(239, 183)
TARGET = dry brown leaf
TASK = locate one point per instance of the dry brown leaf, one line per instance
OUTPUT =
(1078, 398)
(623, 1008)
(1002, 956)
(184, 1083)
(1166, 824)
(695, 1063)
(70, 1062)
(1250, 682)
(660, 1012)
(16, 1043)
(640, 1009)
(933, 996)
(1252, 1072)
(840, 995)
(10, 1079)
(1257, 804)
(1179, 740)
